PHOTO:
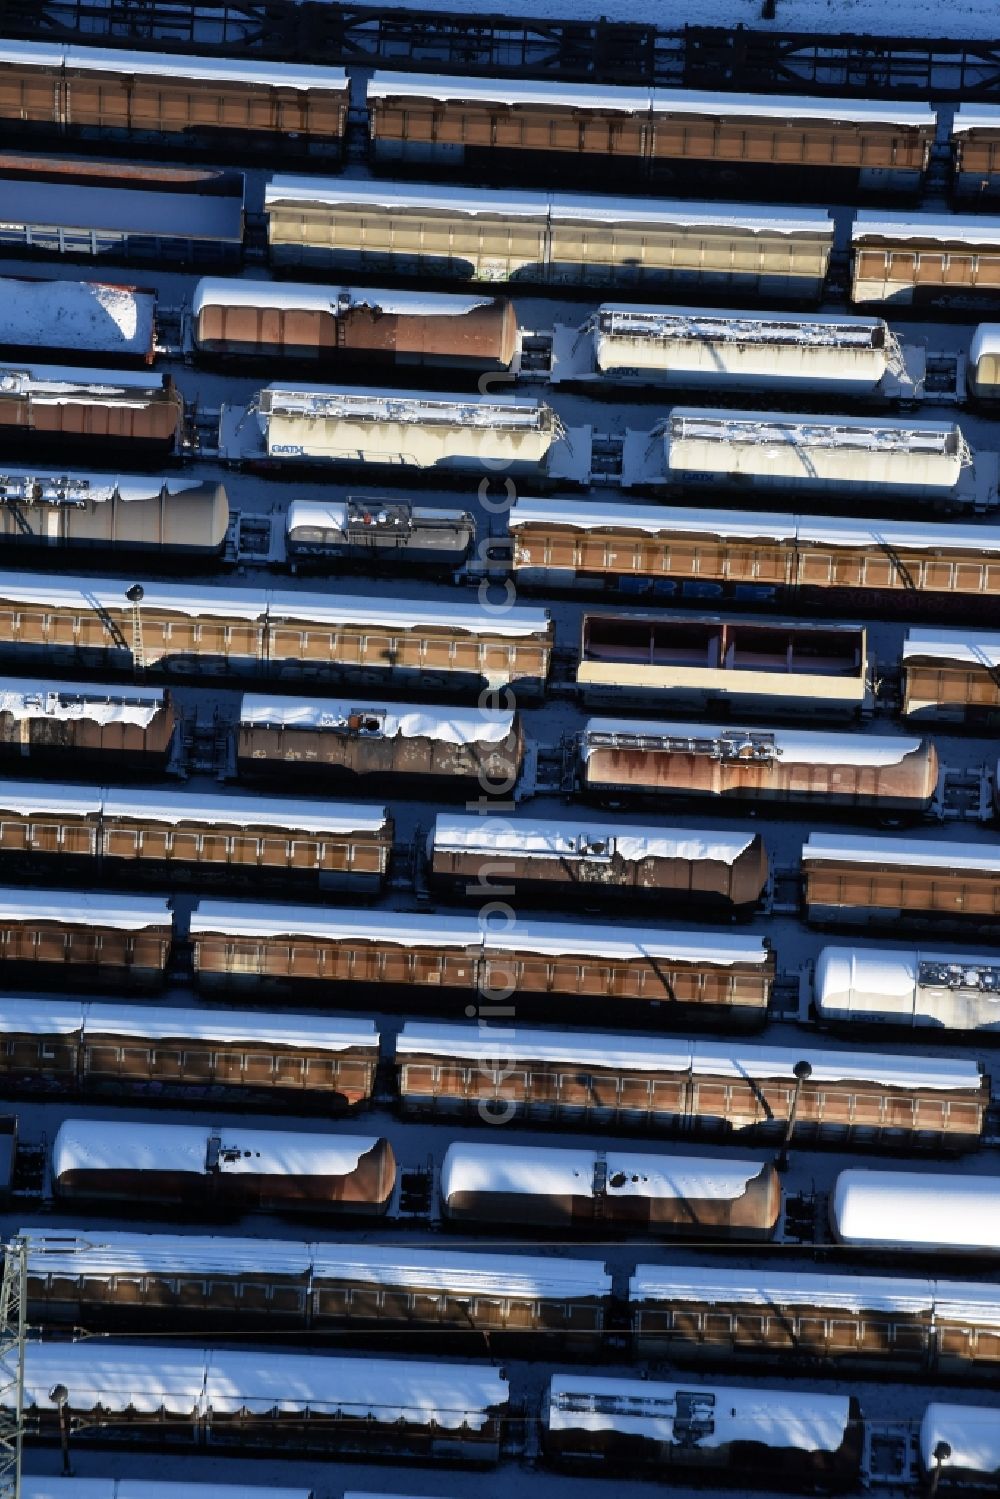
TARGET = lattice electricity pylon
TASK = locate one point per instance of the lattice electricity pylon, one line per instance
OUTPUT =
(13, 1306)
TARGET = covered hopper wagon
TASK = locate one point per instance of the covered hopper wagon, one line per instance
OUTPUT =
(894, 458)
(593, 1081)
(127, 1051)
(119, 833)
(126, 411)
(227, 1170)
(85, 726)
(446, 748)
(594, 131)
(813, 355)
(782, 667)
(139, 97)
(101, 623)
(77, 319)
(623, 761)
(99, 1280)
(167, 516)
(916, 258)
(63, 937)
(857, 881)
(920, 989)
(435, 433)
(297, 1402)
(334, 325)
(792, 1438)
(982, 374)
(563, 966)
(868, 1323)
(884, 566)
(669, 1196)
(952, 676)
(557, 239)
(595, 861)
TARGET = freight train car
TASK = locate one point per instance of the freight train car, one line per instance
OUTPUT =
(669, 1196)
(235, 1170)
(960, 1448)
(119, 1051)
(300, 1402)
(386, 429)
(916, 258)
(85, 726)
(982, 372)
(166, 516)
(708, 975)
(101, 623)
(473, 234)
(917, 1211)
(952, 676)
(895, 458)
(756, 558)
(88, 92)
(787, 668)
(975, 150)
(857, 881)
(691, 1087)
(342, 324)
(448, 749)
(623, 761)
(77, 319)
(63, 936)
(921, 1328)
(115, 211)
(878, 986)
(691, 348)
(139, 1488)
(373, 533)
(795, 1439)
(530, 125)
(128, 411)
(119, 833)
(99, 1280)
(566, 861)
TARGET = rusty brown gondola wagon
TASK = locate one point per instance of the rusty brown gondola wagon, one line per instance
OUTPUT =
(716, 977)
(48, 406)
(888, 882)
(917, 258)
(61, 935)
(952, 677)
(116, 1051)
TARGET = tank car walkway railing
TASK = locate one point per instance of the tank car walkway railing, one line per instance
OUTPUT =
(705, 57)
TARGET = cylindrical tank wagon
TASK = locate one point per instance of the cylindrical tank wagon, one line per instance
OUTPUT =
(917, 1211)
(623, 761)
(960, 1448)
(375, 533)
(448, 749)
(340, 324)
(231, 1170)
(982, 375)
(86, 726)
(669, 1196)
(920, 989)
(595, 861)
(168, 516)
(795, 1439)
